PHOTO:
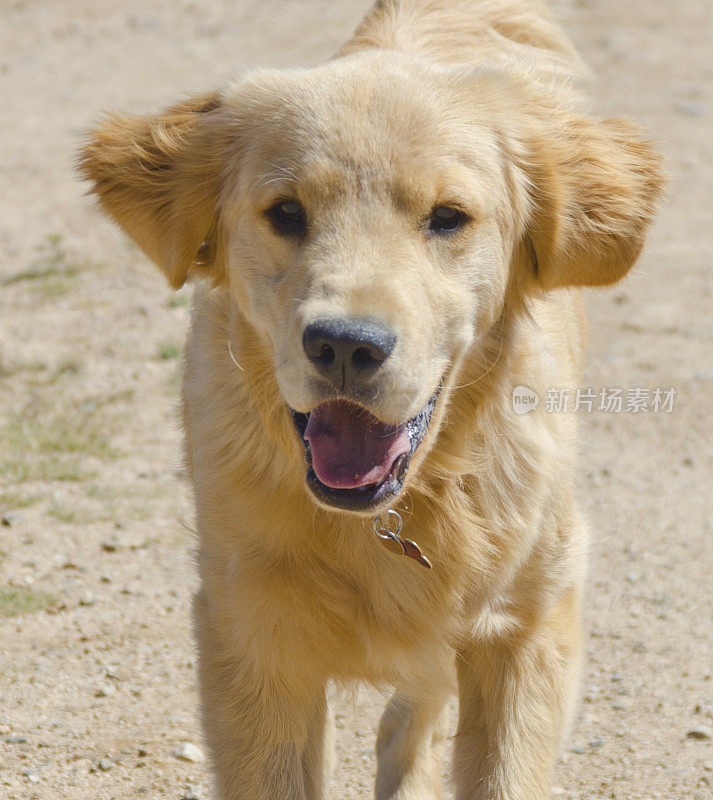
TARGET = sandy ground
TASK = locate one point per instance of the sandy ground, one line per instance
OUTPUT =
(97, 677)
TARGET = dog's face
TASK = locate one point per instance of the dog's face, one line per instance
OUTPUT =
(371, 217)
(369, 238)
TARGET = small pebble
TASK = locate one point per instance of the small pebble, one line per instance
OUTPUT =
(618, 42)
(16, 739)
(106, 764)
(31, 775)
(692, 109)
(188, 752)
(190, 793)
(704, 732)
(578, 749)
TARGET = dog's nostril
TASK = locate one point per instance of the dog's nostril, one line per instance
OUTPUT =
(363, 358)
(327, 355)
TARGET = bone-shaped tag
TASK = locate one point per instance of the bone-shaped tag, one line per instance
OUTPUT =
(395, 543)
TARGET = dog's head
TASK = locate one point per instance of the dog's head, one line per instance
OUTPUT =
(372, 218)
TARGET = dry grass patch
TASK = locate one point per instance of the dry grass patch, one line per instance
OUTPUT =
(12, 500)
(65, 369)
(44, 442)
(9, 369)
(130, 501)
(51, 274)
(54, 272)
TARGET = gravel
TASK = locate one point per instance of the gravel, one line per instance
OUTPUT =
(188, 752)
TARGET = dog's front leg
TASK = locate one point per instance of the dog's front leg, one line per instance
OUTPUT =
(409, 749)
(264, 730)
(516, 694)
(318, 756)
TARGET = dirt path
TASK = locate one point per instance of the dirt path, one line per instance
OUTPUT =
(97, 677)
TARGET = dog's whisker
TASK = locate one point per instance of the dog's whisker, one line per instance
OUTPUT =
(232, 357)
(490, 368)
(278, 174)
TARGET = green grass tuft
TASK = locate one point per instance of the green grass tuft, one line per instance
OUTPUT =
(14, 602)
(168, 350)
(70, 367)
(39, 272)
(178, 300)
(61, 514)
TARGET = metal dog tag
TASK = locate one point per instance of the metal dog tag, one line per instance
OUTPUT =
(394, 542)
(412, 550)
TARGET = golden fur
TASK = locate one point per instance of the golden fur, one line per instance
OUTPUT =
(431, 102)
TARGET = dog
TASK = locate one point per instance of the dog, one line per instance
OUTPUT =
(386, 249)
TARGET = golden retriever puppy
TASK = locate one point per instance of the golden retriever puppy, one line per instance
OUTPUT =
(387, 246)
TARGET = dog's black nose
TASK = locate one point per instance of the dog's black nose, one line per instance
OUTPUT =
(347, 349)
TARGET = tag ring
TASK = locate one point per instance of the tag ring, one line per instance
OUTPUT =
(386, 532)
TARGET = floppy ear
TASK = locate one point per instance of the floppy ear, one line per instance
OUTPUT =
(594, 188)
(158, 178)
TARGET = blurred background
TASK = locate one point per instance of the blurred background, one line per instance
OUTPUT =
(97, 667)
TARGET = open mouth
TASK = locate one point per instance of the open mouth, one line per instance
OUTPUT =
(354, 461)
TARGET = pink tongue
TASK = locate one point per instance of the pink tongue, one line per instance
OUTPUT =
(350, 447)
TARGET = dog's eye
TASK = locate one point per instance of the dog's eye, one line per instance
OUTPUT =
(444, 219)
(288, 218)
